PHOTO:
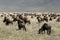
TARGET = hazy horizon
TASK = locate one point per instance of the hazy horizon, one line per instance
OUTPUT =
(30, 5)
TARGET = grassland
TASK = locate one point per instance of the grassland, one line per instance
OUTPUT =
(11, 33)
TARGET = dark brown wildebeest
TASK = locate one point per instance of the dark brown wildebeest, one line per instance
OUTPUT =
(44, 28)
(21, 25)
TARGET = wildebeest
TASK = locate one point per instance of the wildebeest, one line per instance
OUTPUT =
(26, 20)
(1, 15)
(39, 19)
(31, 16)
(45, 18)
(58, 20)
(21, 25)
(50, 19)
(21, 17)
(44, 28)
(7, 21)
(4, 19)
(14, 19)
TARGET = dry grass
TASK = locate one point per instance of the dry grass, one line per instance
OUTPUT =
(11, 33)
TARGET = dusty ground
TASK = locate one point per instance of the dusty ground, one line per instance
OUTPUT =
(11, 33)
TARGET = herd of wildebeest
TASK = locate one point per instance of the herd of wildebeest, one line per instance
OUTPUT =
(22, 19)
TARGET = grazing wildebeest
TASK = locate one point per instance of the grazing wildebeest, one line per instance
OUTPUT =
(45, 27)
(21, 25)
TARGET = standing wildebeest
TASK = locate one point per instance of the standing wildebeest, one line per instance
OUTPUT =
(39, 19)
(26, 20)
(21, 25)
(45, 27)
(7, 21)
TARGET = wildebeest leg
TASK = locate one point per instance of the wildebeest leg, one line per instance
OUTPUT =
(25, 22)
(19, 27)
(44, 31)
(7, 23)
(46, 20)
(29, 22)
(12, 23)
(39, 20)
(39, 31)
(49, 32)
(24, 28)
(4, 20)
